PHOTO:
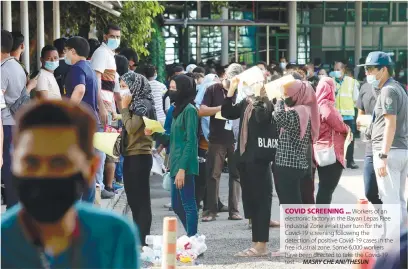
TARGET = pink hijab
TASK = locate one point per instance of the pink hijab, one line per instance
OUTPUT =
(304, 97)
(325, 91)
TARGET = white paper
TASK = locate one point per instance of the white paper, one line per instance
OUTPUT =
(273, 88)
(228, 125)
(158, 167)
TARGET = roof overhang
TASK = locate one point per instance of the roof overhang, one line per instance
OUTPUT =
(108, 6)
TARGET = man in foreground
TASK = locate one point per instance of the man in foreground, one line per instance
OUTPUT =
(53, 162)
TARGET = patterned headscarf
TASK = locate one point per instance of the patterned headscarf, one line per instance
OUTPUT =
(142, 98)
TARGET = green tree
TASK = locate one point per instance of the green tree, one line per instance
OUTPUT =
(156, 57)
(135, 21)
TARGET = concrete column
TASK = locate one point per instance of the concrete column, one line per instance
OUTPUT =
(40, 30)
(267, 45)
(224, 37)
(56, 19)
(292, 31)
(25, 32)
(198, 51)
(236, 44)
(358, 31)
(7, 22)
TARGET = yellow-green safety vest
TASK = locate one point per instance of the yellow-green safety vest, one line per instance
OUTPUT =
(344, 96)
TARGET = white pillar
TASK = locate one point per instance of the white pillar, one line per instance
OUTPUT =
(198, 46)
(56, 19)
(236, 44)
(267, 45)
(224, 37)
(292, 32)
(358, 31)
(7, 22)
(40, 30)
(25, 32)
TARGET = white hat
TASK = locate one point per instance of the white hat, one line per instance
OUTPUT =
(190, 68)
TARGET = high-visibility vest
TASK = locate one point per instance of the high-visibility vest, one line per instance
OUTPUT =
(344, 96)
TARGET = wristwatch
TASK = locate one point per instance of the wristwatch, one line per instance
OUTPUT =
(382, 156)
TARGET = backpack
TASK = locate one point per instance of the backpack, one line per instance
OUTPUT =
(22, 100)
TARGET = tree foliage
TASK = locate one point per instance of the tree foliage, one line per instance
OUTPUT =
(216, 6)
(135, 21)
(156, 57)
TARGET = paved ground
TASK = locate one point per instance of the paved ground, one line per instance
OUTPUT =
(224, 237)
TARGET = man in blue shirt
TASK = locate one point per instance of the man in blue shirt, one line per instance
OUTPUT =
(81, 85)
(53, 162)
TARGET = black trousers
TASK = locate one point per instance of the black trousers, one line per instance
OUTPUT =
(201, 180)
(136, 176)
(256, 184)
(290, 184)
(329, 177)
(350, 148)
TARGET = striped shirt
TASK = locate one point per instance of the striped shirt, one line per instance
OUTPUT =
(158, 90)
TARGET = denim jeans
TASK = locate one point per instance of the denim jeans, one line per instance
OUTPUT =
(89, 195)
(10, 194)
(184, 204)
(370, 181)
(392, 187)
(119, 170)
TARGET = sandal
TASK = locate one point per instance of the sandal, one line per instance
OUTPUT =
(209, 219)
(252, 252)
(235, 217)
(274, 224)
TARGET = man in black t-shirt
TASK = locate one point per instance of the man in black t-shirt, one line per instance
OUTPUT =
(365, 104)
(62, 70)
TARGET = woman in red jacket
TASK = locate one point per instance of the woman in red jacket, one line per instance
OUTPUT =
(332, 133)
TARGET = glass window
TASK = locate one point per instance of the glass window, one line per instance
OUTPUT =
(335, 12)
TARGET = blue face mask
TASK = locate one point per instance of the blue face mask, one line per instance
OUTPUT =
(155, 77)
(337, 74)
(67, 61)
(113, 43)
(51, 65)
(372, 79)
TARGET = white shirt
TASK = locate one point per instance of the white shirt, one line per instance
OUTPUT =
(158, 90)
(47, 82)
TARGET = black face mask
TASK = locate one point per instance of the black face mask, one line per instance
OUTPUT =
(289, 102)
(173, 95)
(47, 200)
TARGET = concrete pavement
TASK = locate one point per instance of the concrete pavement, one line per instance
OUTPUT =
(226, 237)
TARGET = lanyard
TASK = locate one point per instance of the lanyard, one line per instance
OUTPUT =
(33, 232)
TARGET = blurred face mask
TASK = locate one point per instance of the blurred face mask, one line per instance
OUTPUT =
(372, 79)
(337, 74)
(113, 43)
(51, 65)
(283, 65)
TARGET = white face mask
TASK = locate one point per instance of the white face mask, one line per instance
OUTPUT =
(283, 65)
(247, 91)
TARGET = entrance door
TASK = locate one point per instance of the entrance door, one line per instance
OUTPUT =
(281, 45)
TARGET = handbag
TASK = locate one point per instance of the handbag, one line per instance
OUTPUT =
(326, 156)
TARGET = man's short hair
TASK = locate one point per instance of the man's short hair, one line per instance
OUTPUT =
(111, 26)
(122, 64)
(18, 39)
(46, 49)
(130, 54)
(80, 45)
(149, 70)
(199, 69)
(93, 45)
(58, 113)
(262, 63)
(6, 41)
(60, 44)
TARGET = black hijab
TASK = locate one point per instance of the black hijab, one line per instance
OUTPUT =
(185, 94)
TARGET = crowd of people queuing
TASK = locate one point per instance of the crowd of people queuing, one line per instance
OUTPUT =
(210, 128)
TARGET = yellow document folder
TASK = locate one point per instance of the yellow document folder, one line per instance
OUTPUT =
(153, 125)
(105, 142)
(218, 116)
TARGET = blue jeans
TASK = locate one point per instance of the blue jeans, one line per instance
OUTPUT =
(89, 194)
(10, 194)
(184, 204)
(370, 181)
(119, 170)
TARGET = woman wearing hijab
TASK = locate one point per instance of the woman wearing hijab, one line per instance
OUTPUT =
(183, 148)
(136, 149)
(256, 147)
(296, 114)
(332, 133)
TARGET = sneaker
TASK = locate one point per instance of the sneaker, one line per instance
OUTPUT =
(167, 205)
(105, 194)
(109, 189)
(116, 186)
(352, 165)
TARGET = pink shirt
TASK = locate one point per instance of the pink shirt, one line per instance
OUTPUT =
(332, 128)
